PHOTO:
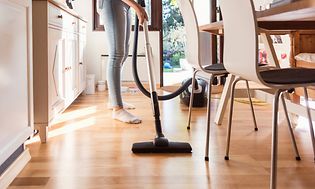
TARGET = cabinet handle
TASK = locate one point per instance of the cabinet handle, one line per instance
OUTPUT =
(81, 63)
(60, 16)
(73, 23)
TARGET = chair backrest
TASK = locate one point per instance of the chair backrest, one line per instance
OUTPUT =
(240, 39)
(192, 32)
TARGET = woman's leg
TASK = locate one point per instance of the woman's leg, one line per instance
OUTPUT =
(127, 38)
(116, 20)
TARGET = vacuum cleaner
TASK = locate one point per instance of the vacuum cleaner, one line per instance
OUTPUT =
(200, 95)
(160, 144)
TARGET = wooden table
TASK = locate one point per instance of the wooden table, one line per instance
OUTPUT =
(288, 18)
(299, 15)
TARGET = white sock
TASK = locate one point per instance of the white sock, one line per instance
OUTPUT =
(126, 106)
(124, 116)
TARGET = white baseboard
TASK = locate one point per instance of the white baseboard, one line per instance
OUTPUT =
(9, 175)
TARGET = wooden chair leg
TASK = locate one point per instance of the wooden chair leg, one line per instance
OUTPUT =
(224, 100)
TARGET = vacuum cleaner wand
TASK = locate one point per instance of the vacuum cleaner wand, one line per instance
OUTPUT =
(160, 143)
(150, 65)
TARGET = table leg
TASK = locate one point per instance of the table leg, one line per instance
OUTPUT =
(42, 132)
(224, 100)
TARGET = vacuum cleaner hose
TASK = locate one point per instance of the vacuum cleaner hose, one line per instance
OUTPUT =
(136, 76)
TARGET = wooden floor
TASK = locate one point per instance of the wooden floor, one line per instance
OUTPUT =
(89, 150)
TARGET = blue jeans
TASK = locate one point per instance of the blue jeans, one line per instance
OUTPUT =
(116, 17)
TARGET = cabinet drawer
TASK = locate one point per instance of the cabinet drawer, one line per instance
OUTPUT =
(55, 15)
(62, 19)
(304, 64)
(82, 27)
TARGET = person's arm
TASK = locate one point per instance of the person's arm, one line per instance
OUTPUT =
(142, 15)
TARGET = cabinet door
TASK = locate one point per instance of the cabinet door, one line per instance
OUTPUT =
(15, 71)
(82, 65)
(56, 72)
(71, 67)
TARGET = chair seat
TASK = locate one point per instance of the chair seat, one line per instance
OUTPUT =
(289, 76)
(215, 67)
(220, 67)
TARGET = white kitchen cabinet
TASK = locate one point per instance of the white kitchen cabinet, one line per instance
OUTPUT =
(16, 115)
(71, 83)
(82, 57)
(56, 48)
(58, 65)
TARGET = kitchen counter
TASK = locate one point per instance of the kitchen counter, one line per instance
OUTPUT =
(59, 38)
(64, 7)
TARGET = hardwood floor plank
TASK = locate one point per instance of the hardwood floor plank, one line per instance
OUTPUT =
(30, 181)
(89, 150)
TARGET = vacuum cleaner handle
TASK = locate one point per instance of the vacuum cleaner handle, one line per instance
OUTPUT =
(149, 57)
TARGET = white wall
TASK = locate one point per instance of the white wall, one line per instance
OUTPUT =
(202, 9)
(96, 43)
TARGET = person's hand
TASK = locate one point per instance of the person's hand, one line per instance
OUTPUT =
(142, 14)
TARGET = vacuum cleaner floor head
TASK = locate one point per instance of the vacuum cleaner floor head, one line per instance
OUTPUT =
(173, 147)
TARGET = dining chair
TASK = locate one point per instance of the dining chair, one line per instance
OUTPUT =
(195, 57)
(240, 59)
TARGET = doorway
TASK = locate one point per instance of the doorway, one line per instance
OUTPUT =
(175, 67)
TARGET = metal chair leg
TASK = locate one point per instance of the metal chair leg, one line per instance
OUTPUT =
(191, 100)
(251, 105)
(309, 119)
(297, 154)
(208, 117)
(274, 148)
(228, 138)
